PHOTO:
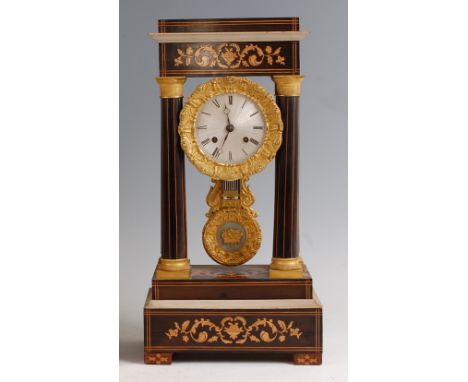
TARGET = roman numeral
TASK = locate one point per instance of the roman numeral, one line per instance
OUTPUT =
(245, 152)
(254, 141)
(203, 127)
(251, 115)
(244, 104)
(215, 101)
(205, 141)
(216, 153)
(230, 100)
(230, 156)
(258, 127)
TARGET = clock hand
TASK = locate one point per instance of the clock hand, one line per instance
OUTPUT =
(229, 127)
(224, 141)
(227, 114)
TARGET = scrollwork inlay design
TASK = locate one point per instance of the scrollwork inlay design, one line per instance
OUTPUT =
(228, 55)
(233, 331)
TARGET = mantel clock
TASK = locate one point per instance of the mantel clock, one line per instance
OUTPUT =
(230, 128)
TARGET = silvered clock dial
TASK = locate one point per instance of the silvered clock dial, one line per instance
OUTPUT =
(230, 128)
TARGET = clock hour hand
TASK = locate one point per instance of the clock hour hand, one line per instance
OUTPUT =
(226, 111)
(229, 127)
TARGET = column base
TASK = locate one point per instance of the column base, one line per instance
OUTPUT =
(286, 268)
(173, 269)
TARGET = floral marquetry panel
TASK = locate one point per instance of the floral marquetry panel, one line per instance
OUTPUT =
(242, 58)
(289, 329)
(233, 330)
(229, 55)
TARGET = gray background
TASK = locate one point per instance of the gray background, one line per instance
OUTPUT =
(323, 176)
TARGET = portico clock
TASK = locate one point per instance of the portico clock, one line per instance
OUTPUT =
(231, 128)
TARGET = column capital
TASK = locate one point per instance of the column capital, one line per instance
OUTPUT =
(289, 86)
(171, 87)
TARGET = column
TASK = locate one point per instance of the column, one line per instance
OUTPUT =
(173, 263)
(286, 261)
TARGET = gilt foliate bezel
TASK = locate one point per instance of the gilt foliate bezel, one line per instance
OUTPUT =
(273, 128)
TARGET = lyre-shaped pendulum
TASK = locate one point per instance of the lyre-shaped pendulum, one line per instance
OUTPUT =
(231, 235)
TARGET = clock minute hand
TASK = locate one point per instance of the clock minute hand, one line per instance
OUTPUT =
(224, 141)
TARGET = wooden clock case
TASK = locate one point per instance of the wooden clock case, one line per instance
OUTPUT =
(212, 308)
